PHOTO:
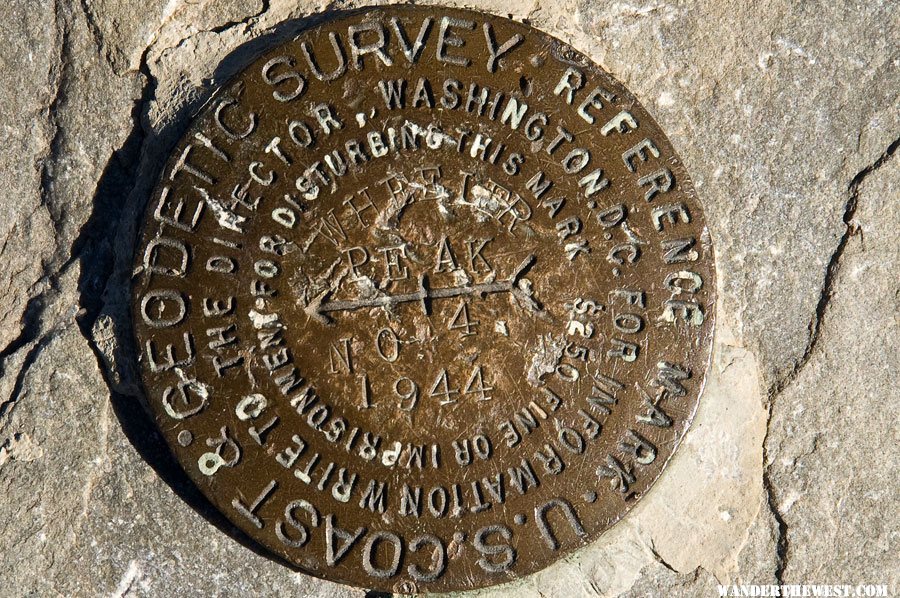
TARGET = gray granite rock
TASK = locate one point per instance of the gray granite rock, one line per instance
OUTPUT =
(775, 107)
(834, 427)
(30, 87)
(784, 113)
(85, 514)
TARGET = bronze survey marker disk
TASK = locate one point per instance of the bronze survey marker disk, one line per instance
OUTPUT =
(424, 300)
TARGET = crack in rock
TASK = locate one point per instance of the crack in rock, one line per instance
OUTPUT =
(832, 269)
(659, 559)
(265, 6)
(7, 406)
(33, 328)
(781, 541)
(36, 332)
(815, 328)
(96, 34)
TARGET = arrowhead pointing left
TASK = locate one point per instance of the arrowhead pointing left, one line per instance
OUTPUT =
(314, 310)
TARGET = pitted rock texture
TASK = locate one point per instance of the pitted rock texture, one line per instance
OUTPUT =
(787, 118)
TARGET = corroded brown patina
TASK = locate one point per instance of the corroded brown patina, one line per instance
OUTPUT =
(424, 300)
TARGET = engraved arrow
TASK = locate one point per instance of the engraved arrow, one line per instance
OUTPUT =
(318, 307)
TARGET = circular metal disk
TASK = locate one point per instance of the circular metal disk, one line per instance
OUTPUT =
(424, 300)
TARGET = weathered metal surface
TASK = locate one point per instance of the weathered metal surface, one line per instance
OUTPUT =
(424, 300)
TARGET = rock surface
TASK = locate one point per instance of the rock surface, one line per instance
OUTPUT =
(786, 116)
